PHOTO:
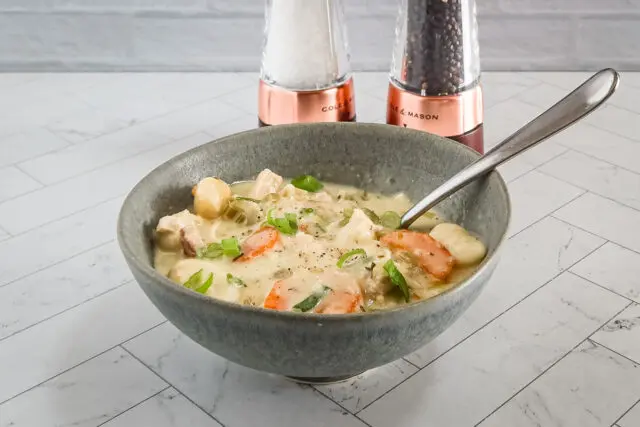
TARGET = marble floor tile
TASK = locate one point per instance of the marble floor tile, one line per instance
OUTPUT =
(85, 396)
(166, 409)
(534, 196)
(590, 387)
(226, 390)
(469, 382)
(622, 334)
(242, 124)
(597, 176)
(55, 289)
(631, 418)
(77, 159)
(24, 213)
(58, 241)
(604, 218)
(355, 394)
(613, 267)
(616, 120)
(73, 337)
(245, 99)
(88, 124)
(543, 95)
(193, 119)
(25, 145)
(601, 144)
(15, 182)
(528, 261)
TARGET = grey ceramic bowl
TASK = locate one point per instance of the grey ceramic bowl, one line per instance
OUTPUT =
(314, 347)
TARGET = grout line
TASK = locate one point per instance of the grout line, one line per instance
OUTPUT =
(65, 310)
(134, 406)
(549, 215)
(610, 349)
(625, 413)
(78, 364)
(411, 363)
(82, 252)
(603, 287)
(17, 166)
(588, 190)
(552, 365)
(486, 324)
(168, 382)
(340, 405)
(594, 234)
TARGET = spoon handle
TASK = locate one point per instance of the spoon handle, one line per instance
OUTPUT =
(579, 103)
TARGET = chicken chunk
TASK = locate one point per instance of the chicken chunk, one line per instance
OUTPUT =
(465, 248)
(267, 182)
(211, 197)
(169, 229)
(360, 229)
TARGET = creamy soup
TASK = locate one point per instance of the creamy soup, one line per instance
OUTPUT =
(306, 246)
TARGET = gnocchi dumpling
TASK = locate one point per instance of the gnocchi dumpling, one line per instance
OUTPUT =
(465, 248)
(211, 197)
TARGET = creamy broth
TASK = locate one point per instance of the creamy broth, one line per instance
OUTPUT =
(307, 246)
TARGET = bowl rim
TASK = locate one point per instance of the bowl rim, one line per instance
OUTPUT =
(156, 278)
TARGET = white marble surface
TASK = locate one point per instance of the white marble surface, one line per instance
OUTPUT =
(552, 341)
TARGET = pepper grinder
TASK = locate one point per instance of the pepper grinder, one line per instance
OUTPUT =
(435, 76)
(306, 72)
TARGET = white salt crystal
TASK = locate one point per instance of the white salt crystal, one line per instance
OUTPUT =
(306, 44)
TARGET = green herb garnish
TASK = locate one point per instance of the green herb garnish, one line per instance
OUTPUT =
(286, 225)
(307, 183)
(195, 282)
(211, 251)
(352, 256)
(311, 301)
(397, 278)
(248, 199)
(231, 248)
(236, 281)
(391, 220)
(372, 215)
(347, 214)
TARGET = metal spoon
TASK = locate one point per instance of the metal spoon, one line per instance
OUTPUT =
(579, 103)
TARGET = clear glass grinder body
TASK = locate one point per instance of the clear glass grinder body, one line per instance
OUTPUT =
(435, 74)
(306, 73)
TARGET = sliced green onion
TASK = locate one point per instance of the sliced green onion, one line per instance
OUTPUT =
(248, 199)
(194, 282)
(311, 301)
(307, 183)
(397, 278)
(286, 225)
(231, 247)
(211, 251)
(347, 213)
(349, 256)
(206, 285)
(236, 281)
(372, 215)
(391, 220)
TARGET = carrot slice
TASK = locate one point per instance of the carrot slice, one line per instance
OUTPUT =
(259, 243)
(434, 258)
(339, 302)
(276, 300)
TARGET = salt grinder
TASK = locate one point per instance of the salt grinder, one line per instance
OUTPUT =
(305, 74)
(435, 77)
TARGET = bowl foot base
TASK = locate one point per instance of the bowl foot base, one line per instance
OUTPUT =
(322, 380)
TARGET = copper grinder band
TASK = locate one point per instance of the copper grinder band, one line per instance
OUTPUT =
(449, 115)
(278, 106)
